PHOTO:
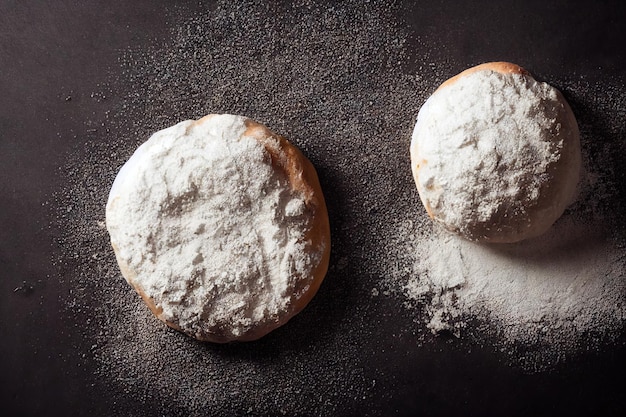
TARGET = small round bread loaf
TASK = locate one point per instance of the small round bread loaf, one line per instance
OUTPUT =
(496, 154)
(221, 227)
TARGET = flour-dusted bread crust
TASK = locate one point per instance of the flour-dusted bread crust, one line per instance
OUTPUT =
(496, 154)
(221, 227)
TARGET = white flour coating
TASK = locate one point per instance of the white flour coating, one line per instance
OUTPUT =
(485, 153)
(551, 290)
(214, 233)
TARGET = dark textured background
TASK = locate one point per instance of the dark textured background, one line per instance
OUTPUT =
(352, 354)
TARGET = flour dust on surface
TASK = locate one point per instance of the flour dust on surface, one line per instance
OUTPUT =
(334, 80)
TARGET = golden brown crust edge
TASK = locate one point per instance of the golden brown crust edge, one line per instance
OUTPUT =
(303, 178)
(500, 66)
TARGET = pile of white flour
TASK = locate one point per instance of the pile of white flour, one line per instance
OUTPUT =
(556, 293)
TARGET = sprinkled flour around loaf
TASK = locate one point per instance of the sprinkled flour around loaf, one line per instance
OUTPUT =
(214, 234)
(557, 294)
(570, 281)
